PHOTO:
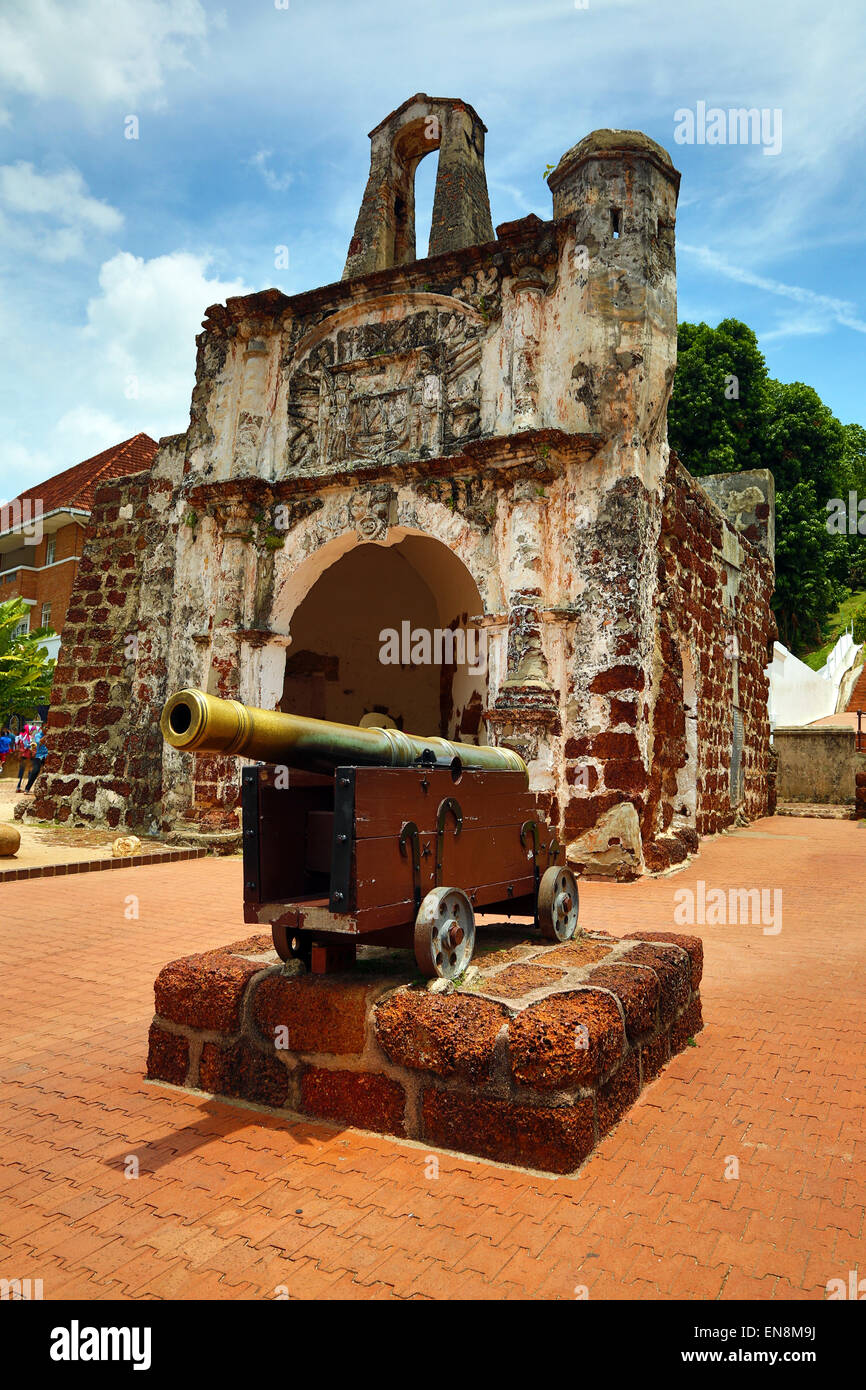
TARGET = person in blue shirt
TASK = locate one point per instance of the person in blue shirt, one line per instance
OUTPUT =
(40, 752)
(5, 746)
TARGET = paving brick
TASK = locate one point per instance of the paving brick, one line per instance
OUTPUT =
(777, 1078)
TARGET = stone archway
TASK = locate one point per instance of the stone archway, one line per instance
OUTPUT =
(387, 629)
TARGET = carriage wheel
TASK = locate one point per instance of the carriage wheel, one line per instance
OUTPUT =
(444, 934)
(292, 945)
(557, 904)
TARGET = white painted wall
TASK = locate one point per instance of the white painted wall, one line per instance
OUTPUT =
(799, 695)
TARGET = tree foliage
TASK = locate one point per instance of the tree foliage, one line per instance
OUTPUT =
(806, 591)
(717, 414)
(853, 547)
(25, 667)
(803, 440)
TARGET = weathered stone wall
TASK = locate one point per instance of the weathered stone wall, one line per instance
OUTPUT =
(649, 755)
(104, 763)
(716, 628)
(819, 765)
(385, 231)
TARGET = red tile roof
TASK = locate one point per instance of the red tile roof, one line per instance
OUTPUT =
(74, 487)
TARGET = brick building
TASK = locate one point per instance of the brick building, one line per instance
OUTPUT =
(475, 440)
(42, 533)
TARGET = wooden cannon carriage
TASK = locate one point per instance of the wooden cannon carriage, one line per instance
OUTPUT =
(371, 834)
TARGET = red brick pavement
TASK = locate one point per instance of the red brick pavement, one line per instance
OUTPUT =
(234, 1204)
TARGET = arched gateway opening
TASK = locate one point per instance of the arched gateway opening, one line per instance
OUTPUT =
(387, 632)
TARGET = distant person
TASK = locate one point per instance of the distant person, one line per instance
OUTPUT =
(5, 747)
(24, 749)
(39, 754)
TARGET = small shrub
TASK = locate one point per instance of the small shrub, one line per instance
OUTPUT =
(860, 623)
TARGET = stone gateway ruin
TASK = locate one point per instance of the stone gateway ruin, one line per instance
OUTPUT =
(470, 443)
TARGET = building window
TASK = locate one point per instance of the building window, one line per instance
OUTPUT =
(50, 548)
(46, 615)
(21, 629)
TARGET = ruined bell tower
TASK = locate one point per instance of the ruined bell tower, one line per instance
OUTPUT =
(385, 231)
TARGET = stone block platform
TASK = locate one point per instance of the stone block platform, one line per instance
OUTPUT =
(530, 1061)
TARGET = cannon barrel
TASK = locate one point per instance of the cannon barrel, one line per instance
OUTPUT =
(194, 721)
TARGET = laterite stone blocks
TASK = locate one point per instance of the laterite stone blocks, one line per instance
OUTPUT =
(531, 1061)
(445, 1035)
(356, 1098)
(315, 1019)
(531, 1136)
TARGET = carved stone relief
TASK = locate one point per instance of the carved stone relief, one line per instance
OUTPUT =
(247, 442)
(388, 391)
(371, 512)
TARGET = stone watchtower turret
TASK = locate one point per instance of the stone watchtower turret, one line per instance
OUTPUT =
(619, 190)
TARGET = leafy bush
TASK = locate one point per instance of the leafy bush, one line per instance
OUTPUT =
(26, 670)
(860, 624)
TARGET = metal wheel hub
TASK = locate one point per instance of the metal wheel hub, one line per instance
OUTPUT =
(558, 904)
(444, 933)
(561, 909)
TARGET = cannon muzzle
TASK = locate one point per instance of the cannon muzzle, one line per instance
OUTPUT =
(194, 721)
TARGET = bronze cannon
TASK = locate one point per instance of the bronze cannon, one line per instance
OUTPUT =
(374, 833)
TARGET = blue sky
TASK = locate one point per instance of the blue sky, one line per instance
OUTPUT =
(252, 124)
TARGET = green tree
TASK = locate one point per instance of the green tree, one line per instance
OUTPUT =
(803, 440)
(26, 669)
(854, 458)
(854, 480)
(717, 413)
(806, 591)
(805, 451)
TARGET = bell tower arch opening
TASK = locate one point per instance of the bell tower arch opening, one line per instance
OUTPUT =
(425, 193)
(415, 141)
(387, 632)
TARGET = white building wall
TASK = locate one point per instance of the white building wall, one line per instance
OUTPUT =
(799, 695)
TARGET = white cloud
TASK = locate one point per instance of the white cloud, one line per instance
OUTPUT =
(95, 51)
(82, 432)
(21, 467)
(141, 329)
(51, 214)
(277, 183)
(63, 195)
(41, 200)
(129, 368)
